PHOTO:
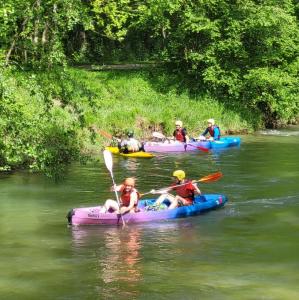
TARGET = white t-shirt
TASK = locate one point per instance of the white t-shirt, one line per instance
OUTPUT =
(131, 143)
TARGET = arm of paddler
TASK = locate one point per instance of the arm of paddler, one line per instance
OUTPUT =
(116, 188)
(197, 190)
(133, 200)
(161, 191)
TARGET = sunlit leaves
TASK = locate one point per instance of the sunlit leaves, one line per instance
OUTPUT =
(112, 17)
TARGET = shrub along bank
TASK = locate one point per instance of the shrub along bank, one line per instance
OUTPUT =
(46, 118)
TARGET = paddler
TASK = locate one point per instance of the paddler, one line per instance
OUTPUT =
(180, 133)
(130, 144)
(185, 191)
(212, 129)
(129, 198)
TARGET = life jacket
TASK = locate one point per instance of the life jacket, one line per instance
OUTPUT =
(179, 135)
(130, 145)
(125, 196)
(186, 191)
(212, 129)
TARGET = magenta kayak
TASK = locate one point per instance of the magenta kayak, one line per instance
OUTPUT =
(175, 146)
(92, 215)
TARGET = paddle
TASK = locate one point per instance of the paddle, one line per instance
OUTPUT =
(208, 178)
(204, 149)
(104, 133)
(160, 135)
(109, 165)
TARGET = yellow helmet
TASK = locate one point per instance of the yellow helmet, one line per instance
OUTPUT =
(179, 174)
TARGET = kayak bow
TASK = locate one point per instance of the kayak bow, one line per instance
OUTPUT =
(115, 150)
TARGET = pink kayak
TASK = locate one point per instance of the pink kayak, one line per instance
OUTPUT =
(176, 146)
(147, 213)
(172, 146)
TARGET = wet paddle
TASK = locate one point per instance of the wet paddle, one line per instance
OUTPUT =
(208, 178)
(160, 135)
(109, 166)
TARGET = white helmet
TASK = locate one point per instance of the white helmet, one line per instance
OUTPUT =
(211, 121)
(179, 123)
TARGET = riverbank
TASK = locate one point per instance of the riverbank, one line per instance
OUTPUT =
(47, 117)
(147, 100)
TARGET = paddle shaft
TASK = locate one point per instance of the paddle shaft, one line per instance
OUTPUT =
(106, 134)
(109, 165)
(208, 178)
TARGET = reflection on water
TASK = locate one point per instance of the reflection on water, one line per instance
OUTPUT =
(118, 259)
(290, 131)
(122, 256)
(132, 164)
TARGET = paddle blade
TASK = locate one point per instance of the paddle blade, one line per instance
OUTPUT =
(105, 134)
(108, 160)
(211, 177)
(158, 135)
(202, 148)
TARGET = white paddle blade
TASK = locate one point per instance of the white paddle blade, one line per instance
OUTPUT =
(158, 135)
(108, 160)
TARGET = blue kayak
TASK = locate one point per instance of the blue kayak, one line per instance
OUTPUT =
(224, 142)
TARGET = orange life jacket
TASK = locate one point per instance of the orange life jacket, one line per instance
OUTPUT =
(125, 196)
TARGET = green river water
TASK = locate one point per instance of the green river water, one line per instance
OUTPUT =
(247, 250)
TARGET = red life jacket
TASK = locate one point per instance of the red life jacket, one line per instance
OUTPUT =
(125, 196)
(179, 135)
(186, 191)
(211, 130)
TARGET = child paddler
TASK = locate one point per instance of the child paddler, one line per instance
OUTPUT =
(129, 198)
(184, 188)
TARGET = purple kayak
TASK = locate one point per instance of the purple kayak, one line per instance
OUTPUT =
(147, 213)
(176, 146)
(172, 146)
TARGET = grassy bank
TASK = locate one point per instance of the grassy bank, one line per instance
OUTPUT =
(46, 118)
(143, 101)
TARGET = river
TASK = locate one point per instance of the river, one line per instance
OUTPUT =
(246, 250)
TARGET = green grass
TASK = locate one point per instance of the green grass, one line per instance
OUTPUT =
(46, 117)
(131, 99)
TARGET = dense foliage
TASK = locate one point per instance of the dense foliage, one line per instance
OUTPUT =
(34, 132)
(240, 55)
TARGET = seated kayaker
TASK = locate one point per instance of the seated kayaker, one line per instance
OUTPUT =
(129, 198)
(185, 191)
(180, 133)
(212, 129)
(130, 144)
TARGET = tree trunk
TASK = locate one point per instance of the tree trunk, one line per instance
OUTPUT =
(8, 54)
